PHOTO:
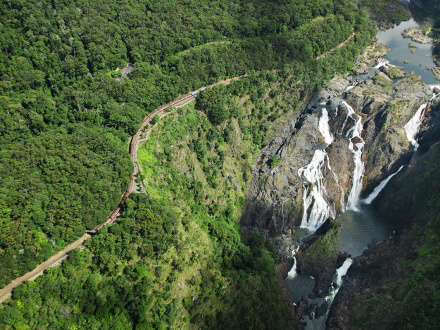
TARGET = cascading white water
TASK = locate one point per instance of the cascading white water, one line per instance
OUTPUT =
(412, 127)
(292, 273)
(354, 133)
(320, 210)
(341, 271)
(380, 187)
(324, 128)
(313, 174)
(383, 62)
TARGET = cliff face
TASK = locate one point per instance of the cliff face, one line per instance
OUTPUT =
(397, 282)
(318, 255)
(275, 195)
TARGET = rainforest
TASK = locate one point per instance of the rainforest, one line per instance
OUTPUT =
(216, 215)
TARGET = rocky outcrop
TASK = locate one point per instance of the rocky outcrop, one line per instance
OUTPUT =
(404, 199)
(387, 107)
(318, 255)
(430, 129)
(416, 35)
(376, 268)
(275, 195)
(398, 277)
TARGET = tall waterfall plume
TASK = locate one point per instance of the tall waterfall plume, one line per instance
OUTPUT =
(412, 127)
(314, 193)
(356, 146)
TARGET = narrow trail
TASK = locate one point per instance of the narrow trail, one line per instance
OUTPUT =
(338, 46)
(33, 274)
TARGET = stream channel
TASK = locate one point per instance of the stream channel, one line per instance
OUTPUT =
(362, 227)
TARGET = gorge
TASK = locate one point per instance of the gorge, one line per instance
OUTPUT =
(397, 113)
(301, 194)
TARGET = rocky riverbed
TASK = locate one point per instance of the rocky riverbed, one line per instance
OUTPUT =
(384, 99)
(417, 35)
(384, 104)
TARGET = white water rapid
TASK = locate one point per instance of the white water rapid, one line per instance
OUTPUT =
(412, 127)
(380, 187)
(292, 273)
(314, 196)
(354, 134)
(341, 271)
(383, 62)
(324, 128)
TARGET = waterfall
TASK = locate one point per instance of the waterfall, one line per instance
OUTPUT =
(324, 128)
(380, 187)
(355, 83)
(383, 62)
(314, 197)
(412, 127)
(341, 271)
(354, 134)
(292, 273)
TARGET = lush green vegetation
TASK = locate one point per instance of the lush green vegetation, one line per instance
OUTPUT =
(65, 118)
(431, 9)
(408, 296)
(388, 11)
(155, 268)
(176, 257)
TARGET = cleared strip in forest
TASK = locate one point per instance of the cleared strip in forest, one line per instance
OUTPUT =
(61, 255)
(338, 46)
(33, 274)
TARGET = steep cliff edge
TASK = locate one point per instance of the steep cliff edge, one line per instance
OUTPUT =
(318, 255)
(397, 283)
(277, 191)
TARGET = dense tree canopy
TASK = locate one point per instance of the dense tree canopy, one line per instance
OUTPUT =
(66, 113)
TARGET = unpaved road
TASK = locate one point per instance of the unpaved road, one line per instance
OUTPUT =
(33, 274)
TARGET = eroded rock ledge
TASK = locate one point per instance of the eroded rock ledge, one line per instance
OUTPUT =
(386, 100)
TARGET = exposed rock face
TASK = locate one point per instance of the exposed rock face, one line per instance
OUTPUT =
(318, 255)
(275, 195)
(430, 130)
(387, 108)
(397, 277)
(379, 266)
(416, 35)
(403, 199)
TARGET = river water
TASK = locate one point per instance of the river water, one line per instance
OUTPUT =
(362, 227)
(418, 61)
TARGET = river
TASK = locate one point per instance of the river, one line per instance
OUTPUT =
(411, 59)
(361, 226)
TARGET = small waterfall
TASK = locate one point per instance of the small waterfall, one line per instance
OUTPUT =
(292, 273)
(341, 271)
(355, 83)
(354, 133)
(314, 197)
(324, 128)
(412, 127)
(383, 62)
(380, 187)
